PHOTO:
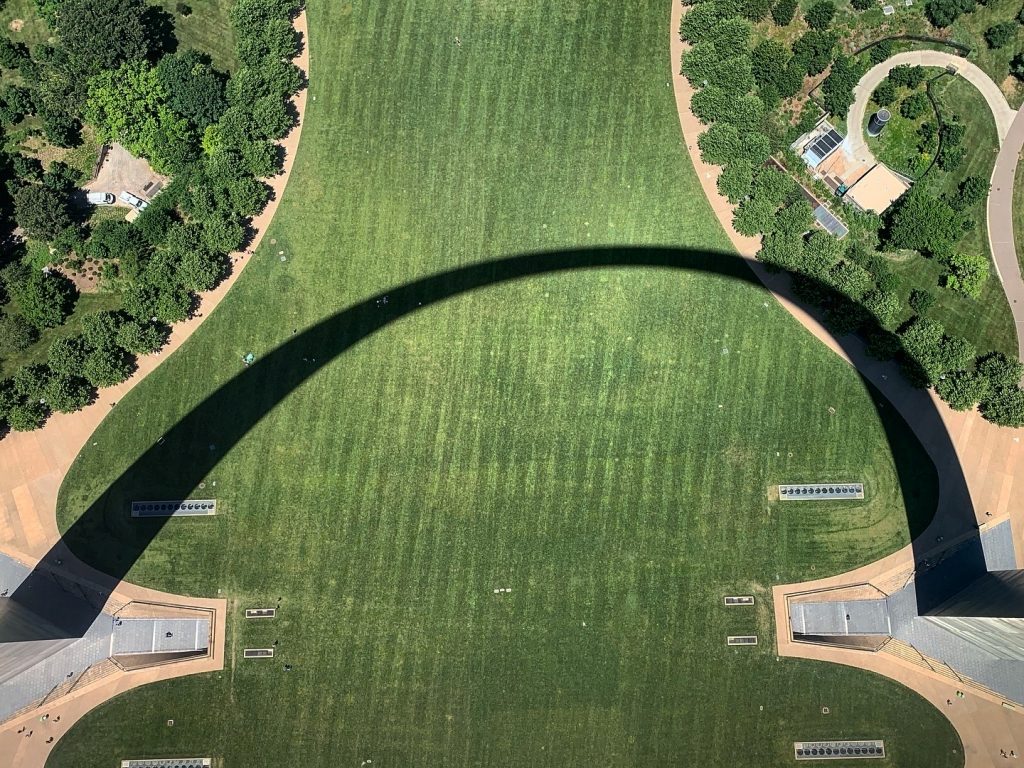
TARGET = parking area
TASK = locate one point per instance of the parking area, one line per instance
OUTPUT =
(123, 172)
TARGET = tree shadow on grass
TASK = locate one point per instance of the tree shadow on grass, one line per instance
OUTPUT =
(107, 539)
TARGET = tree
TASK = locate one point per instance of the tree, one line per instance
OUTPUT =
(754, 216)
(907, 75)
(1001, 35)
(117, 239)
(850, 279)
(886, 307)
(140, 338)
(942, 13)
(16, 334)
(25, 417)
(41, 211)
(972, 190)
(915, 105)
(45, 299)
(967, 273)
(12, 54)
(271, 117)
(950, 157)
(820, 14)
(1017, 66)
(755, 10)
(724, 143)
(731, 37)
(100, 329)
(768, 62)
(128, 105)
(962, 390)
(67, 355)
(783, 12)
(735, 180)
(837, 89)
(107, 366)
(67, 394)
(698, 24)
(1005, 408)
(795, 219)
(102, 35)
(30, 381)
(924, 223)
(813, 50)
(881, 51)
(931, 354)
(921, 300)
(195, 91)
(885, 93)
(861, 5)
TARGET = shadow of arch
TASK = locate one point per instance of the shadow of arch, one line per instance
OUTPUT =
(274, 375)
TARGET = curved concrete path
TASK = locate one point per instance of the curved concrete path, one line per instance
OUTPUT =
(1010, 133)
(32, 467)
(991, 460)
(1000, 223)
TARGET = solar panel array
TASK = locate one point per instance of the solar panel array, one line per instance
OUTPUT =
(169, 762)
(177, 508)
(258, 653)
(826, 144)
(838, 750)
(827, 219)
(821, 491)
(260, 613)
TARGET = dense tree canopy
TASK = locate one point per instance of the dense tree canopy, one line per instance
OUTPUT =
(922, 222)
(129, 105)
(41, 211)
(820, 14)
(101, 35)
(194, 90)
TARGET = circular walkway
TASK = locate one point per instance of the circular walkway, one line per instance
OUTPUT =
(1010, 132)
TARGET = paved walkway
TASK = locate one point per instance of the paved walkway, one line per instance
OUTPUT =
(855, 143)
(1000, 223)
(34, 465)
(991, 460)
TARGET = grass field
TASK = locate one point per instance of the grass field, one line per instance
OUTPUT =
(986, 322)
(600, 441)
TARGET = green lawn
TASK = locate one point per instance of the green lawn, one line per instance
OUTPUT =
(86, 304)
(985, 321)
(561, 435)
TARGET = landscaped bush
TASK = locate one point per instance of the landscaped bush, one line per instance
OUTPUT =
(16, 334)
(837, 90)
(885, 93)
(783, 12)
(1001, 35)
(906, 75)
(915, 105)
(820, 14)
(967, 273)
(942, 13)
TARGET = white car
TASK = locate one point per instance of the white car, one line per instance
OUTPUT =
(100, 198)
(133, 201)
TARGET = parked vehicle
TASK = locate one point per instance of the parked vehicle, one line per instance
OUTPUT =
(133, 201)
(100, 198)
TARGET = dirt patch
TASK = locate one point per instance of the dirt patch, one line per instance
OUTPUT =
(16, 25)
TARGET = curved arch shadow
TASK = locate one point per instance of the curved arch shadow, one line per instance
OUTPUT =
(223, 420)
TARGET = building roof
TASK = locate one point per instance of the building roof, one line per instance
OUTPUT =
(877, 189)
(822, 147)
